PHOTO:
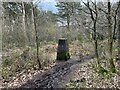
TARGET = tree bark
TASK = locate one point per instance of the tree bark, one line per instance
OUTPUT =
(24, 24)
(68, 22)
(96, 44)
(110, 40)
(1, 24)
(36, 35)
(119, 32)
(33, 28)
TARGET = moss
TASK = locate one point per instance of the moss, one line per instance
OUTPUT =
(63, 56)
(113, 70)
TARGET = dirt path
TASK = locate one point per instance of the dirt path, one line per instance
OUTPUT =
(56, 76)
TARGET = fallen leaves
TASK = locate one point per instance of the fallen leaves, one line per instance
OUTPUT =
(92, 78)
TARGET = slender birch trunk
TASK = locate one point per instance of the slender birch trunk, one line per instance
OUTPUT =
(24, 24)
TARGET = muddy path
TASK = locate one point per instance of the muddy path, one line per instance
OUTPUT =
(53, 78)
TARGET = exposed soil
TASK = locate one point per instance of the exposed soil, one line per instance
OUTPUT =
(58, 76)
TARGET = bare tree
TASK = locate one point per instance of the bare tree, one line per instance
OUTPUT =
(24, 25)
(94, 17)
(36, 33)
(110, 40)
(115, 22)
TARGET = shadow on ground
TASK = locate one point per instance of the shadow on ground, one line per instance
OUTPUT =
(52, 78)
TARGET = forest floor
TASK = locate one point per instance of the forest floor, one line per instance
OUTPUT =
(78, 72)
(56, 77)
(73, 73)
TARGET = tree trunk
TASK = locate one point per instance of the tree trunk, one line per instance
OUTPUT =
(94, 17)
(24, 25)
(1, 24)
(110, 41)
(68, 22)
(33, 38)
(118, 62)
(96, 43)
(36, 36)
(119, 32)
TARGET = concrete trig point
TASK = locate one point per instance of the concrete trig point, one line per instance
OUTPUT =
(63, 50)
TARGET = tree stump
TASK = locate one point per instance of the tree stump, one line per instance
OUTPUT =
(63, 50)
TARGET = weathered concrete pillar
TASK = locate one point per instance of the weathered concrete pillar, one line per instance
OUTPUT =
(63, 50)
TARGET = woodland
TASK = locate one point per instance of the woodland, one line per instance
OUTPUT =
(30, 40)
